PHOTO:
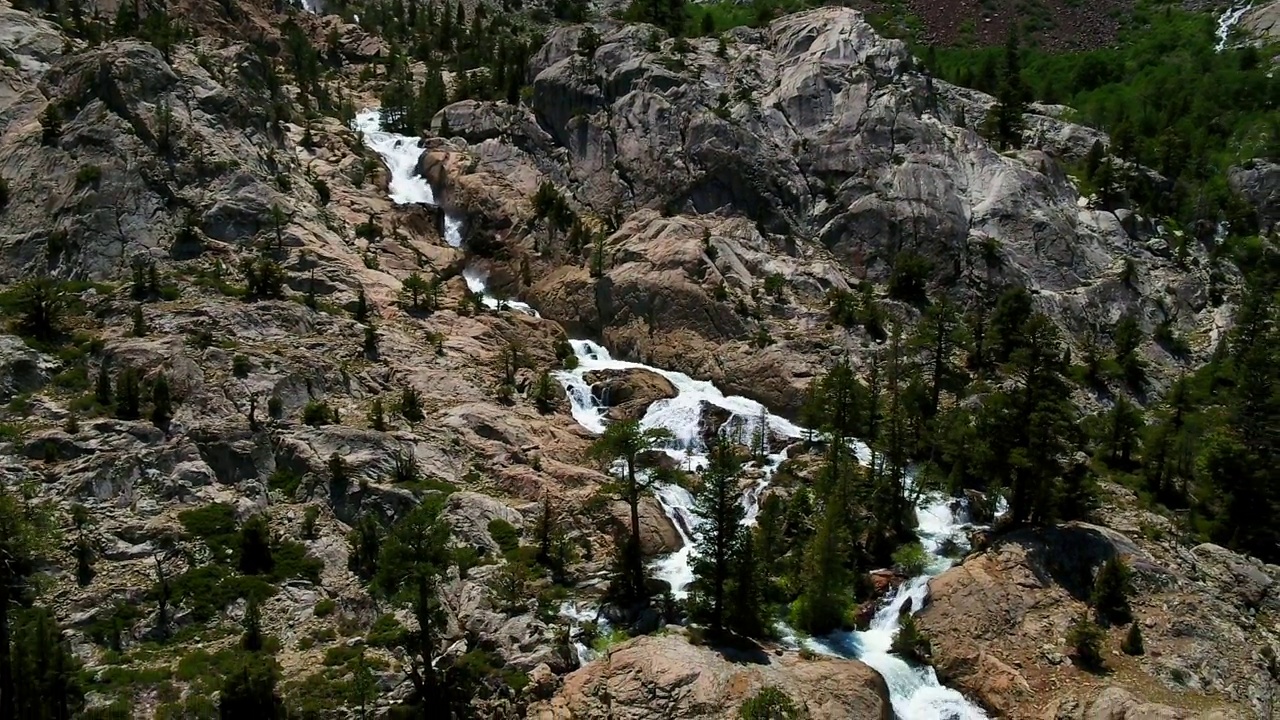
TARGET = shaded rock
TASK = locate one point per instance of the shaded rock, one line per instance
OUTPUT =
(1258, 181)
(22, 369)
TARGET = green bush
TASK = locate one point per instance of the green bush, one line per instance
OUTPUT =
(88, 175)
(215, 524)
(769, 703)
(911, 559)
(505, 534)
(325, 607)
(318, 412)
(386, 632)
(285, 480)
(1085, 639)
(911, 642)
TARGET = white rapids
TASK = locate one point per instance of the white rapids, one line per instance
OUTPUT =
(476, 283)
(915, 691)
(1228, 21)
(401, 154)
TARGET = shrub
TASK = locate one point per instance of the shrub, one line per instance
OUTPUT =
(911, 642)
(1085, 640)
(285, 480)
(411, 405)
(911, 559)
(769, 703)
(1133, 644)
(309, 519)
(909, 279)
(240, 366)
(318, 412)
(386, 632)
(325, 607)
(88, 175)
(504, 534)
(275, 407)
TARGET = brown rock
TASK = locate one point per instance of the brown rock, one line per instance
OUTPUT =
(658, 535)
(666, 677)
(629, 393)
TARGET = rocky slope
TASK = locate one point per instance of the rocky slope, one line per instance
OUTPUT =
(999, 620)
(813, 152)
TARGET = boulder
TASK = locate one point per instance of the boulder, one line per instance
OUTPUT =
(628, 393)
(665, 676)
(22, 369)
(470, 514)
(658, 535)
(1258, 182)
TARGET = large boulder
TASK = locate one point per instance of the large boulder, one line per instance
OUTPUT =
(22, 369)
(666, 677)
(628, 393)
(1258, 182)
(999, 622)
(658, 535)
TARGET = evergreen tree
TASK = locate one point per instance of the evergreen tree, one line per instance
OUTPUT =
(339, 480)
(937, 337)
(746, 612)
(365, 540)
(624, 443)
(1124, 423)
(824, 600)
(361, 312)
(252, 638)
(1011, 99)
(255, 547)
(47, 673)
(414, 290)
(161, 403)
(128, 395)
(720, 534)
(139, 322)
(1111, 590)
(102, 386)
(377, 416)
(411, 565)
(411, 405)
(41, 302)
(26, 531)
(1085, 639)
(1133, 644)
(249, 691)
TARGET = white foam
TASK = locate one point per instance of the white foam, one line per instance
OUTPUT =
(476, 283)
(1228, 21)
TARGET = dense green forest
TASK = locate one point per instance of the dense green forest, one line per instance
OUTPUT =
(1168, 99)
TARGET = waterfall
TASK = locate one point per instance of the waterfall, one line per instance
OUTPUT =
(1228, 21)
(401, 154)
(914, 691)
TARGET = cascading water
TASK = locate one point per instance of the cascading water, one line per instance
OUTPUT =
(915, 692)
(1228, 21)
(401, 154)
(476, 283)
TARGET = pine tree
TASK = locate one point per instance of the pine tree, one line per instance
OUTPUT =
(255, 547)
(745, 605)
(339, 479)
(139, 322)
(252, 638)
(361, 312)
(414, 289)
(825, 597)
(47, 673)
(1111, 590)
(544, 396)
(377, 416)
(1085, 639)
(1011, 99)
(1133, 644)
(41, 302)
(128, 395)
(161, 403)
(365, 540)
(102, 387)
(411, 565)
(718, 504)
(249, 691)
(411, 405)
(624, 442)
(25, 535)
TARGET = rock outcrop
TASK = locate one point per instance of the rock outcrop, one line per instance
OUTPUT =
(814, 150)
(665, 676)
(999, 622)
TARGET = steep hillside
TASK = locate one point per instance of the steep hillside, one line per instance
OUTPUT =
(448, 360)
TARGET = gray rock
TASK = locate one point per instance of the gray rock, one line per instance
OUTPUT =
(22, 369)
(1258, 181)
(470, 514)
